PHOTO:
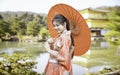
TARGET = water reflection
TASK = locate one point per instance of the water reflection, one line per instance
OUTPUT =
(41, 62)
(34, 48)
(99, 44)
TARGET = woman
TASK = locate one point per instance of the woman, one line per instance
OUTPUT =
(60, 48)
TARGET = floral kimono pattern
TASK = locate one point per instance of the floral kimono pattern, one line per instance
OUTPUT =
(56, 67)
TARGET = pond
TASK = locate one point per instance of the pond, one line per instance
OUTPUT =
(99, 44)
(36, 49)
(32, 48)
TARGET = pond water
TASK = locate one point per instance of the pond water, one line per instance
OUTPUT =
(99, 44)
(33, 48)
(37, 50)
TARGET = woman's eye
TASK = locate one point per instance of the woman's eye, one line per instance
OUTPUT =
(56, 25)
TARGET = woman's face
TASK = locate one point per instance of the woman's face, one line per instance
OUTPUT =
(59, 27)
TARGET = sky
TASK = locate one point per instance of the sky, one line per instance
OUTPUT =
(43, 6)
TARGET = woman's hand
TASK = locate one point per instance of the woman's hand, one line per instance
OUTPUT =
(47, 46)
(71, 50)
(52, 52)
(50, 40)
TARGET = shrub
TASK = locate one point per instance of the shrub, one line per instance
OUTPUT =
(17, 64)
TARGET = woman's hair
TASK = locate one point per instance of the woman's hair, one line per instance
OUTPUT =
(61, 19)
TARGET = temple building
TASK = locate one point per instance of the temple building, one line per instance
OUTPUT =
(96, 20)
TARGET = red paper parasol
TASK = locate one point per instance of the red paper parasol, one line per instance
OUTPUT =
(78, 26)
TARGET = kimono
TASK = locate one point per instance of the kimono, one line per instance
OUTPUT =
(62, 45)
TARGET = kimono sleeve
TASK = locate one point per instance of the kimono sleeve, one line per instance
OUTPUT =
(64, 52)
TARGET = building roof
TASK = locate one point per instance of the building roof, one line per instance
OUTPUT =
(96, 10)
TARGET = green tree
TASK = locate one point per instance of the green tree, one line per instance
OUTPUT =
(114, 26)
(44, 33)
(33, 28)
(30, 17)
(41, 19)
(18, 27)
(26, 17)
(1, 17)
(4, 28)
(23, 17)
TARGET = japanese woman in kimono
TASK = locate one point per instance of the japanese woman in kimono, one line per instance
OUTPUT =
(60, 48)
